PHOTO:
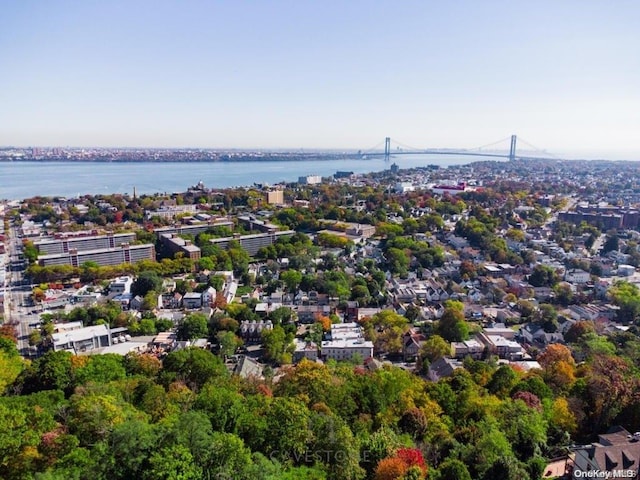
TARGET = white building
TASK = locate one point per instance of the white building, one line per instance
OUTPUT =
(310, 180)
(347, 340)
(577, 276)
(82, 339)
(209, 296)
(403, 187)
(121, 285)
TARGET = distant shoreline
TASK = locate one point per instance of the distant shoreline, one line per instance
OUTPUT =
(190, 160)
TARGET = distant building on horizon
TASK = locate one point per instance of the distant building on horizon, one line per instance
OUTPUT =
(310, 180)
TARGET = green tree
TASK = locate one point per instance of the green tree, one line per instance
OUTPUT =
(193, 366)
(172, 463)
(452, 326)
(194, 325)
(130, 446)
(147, 280)
(453, 469)
(229, 343)
(101, 369)
(275, 343)
(52, 371)
(435, 347)
(502, 381)
(626, 296)
(611, 244)
(543, 276)
(291, 279)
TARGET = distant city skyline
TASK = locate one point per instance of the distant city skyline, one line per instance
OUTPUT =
(322, 75)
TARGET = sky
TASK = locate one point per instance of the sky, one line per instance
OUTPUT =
(564, 75)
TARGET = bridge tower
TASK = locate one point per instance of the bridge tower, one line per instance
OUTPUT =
(512, 150)
(387, 148)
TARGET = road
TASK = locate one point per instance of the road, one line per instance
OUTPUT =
(18, 292)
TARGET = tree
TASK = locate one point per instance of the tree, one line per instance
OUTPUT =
(434, 348)
(627, 296)
(142, 364)
(548, 317)
(291, 279)
(146, 281)
(610, 387)
(453, 469)
(526, 308)
(555, 353)
(397, 261)
(502, 381)
(385, 329)
(10, 368)
(391, 468)
(564, 294)
(94, 415)
(559, 366)
(131, 444)
(452, 326)
(229, 343)
(543, 276)
(172, 463)
(100, 369)
(195, 325)
(287, 424)
(193, 366)
(611, 244)
(525, 428)
(578, 330)
(275, 343)
(52, 371)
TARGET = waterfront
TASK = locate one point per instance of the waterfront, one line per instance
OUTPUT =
(27, 179)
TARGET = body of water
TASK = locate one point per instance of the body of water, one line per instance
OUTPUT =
(20, 180)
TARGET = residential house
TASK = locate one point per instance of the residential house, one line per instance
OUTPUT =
(411, 343)
(304, 349)
(192, 300)
(615, 451)
(469, 348)
(442, 368)
(251, 331)
(136, 303)
(309, 313)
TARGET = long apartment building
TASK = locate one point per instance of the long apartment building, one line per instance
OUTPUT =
(252, 243)
(123, 253)
(194, 229)
(82, 243)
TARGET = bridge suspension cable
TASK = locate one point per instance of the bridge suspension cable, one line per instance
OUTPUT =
(492, 144)
(407, 147)
(376, 148)
(536, 149)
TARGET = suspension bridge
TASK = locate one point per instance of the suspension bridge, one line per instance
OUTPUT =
(488, 150)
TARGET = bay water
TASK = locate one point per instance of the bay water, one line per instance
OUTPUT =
(27, 179)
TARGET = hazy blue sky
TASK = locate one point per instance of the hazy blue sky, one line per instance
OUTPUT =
(562, 74)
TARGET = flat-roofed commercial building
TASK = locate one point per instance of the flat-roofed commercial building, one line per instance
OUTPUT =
(124, 253)
(82, 339)
(347, 340)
